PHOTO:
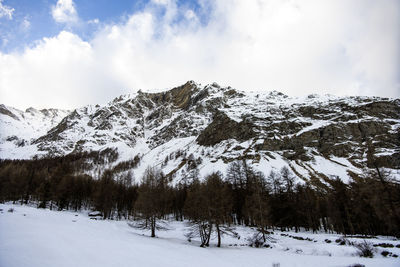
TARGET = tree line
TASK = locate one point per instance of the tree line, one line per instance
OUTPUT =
(367, 205)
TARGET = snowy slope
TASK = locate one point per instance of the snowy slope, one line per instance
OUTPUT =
(35, 237)
(213, 125)
(20, 128)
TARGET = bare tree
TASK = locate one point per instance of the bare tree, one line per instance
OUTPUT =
(208, 206)
(152, 202)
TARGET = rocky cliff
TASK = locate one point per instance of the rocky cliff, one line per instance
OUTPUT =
(313, 135)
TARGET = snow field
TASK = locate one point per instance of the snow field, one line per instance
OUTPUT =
(36, 237)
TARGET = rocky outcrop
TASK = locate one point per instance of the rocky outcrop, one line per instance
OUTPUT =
(258, 127)
(181, 97)
(223, 128)
(4, 110)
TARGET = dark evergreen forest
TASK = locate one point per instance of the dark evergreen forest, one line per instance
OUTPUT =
(368, 205)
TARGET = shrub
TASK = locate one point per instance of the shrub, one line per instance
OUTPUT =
(385, 253)
(384, 245)
(365, 249)
(341, 241)
(256, 241)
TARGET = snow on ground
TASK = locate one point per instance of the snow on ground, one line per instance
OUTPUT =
(333, 167)
(316, 124)
(23, 127)
(37, 237)
(9, 150)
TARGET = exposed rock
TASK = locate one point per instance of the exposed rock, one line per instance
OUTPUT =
(223, 128)
(5, 111)
(260, 127)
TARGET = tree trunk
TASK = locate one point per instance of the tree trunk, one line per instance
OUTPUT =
(203, 236)
(153, 227)
(219, 235)
(263, 233)
(209, 235)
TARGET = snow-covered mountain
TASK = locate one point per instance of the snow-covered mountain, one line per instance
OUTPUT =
(211, 126)
(19, 129)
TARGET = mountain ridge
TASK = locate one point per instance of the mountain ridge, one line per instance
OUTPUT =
(219, 125)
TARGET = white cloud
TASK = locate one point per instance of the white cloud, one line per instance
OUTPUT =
(25, 24)
(64, 12)
(161, 2)
(94, 21)
(6, 11)
(297, 47)
(61, 71)
(189, 14)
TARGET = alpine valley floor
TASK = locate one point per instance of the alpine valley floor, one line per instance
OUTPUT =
(40, 237)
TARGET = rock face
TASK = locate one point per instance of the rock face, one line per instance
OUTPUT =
(310, 134)
(19, 129)
(223, 128)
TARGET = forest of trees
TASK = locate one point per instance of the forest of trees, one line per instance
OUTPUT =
(367, 205)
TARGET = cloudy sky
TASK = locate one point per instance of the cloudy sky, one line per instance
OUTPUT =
(69, 53)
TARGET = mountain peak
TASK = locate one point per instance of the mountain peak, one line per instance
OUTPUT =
(219, 125)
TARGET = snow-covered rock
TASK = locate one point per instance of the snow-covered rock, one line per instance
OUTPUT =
(212, 126)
